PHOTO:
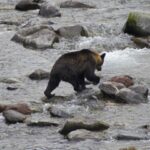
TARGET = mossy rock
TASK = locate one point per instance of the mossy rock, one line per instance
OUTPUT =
(138, 24)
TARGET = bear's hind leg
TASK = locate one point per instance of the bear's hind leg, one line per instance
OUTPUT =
(82, 82)
(52, 84)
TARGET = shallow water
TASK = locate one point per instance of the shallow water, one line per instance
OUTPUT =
(123, 57)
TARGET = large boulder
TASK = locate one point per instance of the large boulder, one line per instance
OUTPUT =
(47, 10)
(72, 31)
(39, 74)
(25, 5)
(74, 4)
(36, 37)
(138, 24)
(12, 116)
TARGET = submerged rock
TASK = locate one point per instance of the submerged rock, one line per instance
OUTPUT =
(9, 80)
(125, 79)
(142, 42)
(12, 116)
(39, 74)
(25, 5)
(74, 4)
(138, 24)
(36, 37)
(126, 137)
(70, 126)
(47, 10)
(43, 123)
(72, 31)
(129, 148)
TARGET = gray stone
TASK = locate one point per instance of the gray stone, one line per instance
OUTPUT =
(83, 134)
(74, 4)
(72, 31)
(36, 37)
(58, 112)
(39, 74)
(140, 89)
(12, 116)
(126, 95)
(138, 24)
(111, 88)
(47, 10)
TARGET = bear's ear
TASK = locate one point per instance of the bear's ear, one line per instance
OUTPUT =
(103, 56)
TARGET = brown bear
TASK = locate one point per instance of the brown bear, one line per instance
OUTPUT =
(74, 67)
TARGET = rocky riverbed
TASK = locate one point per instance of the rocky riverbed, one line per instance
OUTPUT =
(99, 27)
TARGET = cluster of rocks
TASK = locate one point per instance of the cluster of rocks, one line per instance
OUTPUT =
(138, 24)
(43, 36)
(123, 89)
(25, 5)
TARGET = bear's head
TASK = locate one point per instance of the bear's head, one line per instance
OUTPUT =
(99, 61)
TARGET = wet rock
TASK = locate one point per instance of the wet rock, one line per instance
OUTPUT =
(39, 74)
(48, 10)
(126, 95)
(43, 123)
(12, 116)
(12, 88)
(82, 134)
(129, 148)
(9, 80)
(58, 112)
(125, 79)
(142, 42)
(36, 37)
(138, 24)
(127, 137)
(70, 126)
(74, 4)
(25, 5)
(72, 31)
(140, 89)
(20, 107)
(111, 88)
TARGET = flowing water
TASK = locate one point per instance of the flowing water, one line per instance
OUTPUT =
(104, 24)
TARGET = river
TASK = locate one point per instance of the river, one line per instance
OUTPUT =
(104, 24)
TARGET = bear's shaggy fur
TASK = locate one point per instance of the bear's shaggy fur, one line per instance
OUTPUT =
(74, 67)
